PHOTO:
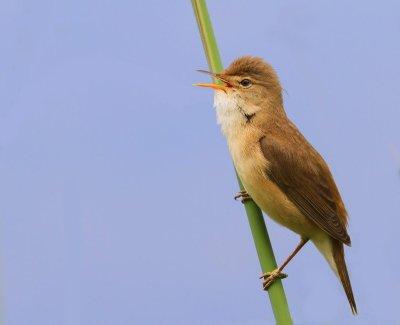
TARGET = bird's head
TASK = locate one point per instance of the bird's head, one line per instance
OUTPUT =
(249, 82)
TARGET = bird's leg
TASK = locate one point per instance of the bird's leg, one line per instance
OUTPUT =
(243, 196)
(270, 277)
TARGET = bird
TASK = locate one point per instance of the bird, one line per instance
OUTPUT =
(280, 170)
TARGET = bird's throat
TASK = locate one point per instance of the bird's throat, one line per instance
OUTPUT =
(232, 114)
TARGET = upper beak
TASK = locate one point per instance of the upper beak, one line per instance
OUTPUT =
(215, 86)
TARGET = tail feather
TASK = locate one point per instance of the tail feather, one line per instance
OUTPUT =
(338, 257)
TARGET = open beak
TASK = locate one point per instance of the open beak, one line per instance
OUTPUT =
(214, 86)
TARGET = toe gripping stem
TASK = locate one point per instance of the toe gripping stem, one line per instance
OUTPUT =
(243, 196)
(270, 277)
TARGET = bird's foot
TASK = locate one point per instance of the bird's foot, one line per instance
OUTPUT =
(243, 196)
(270, 277)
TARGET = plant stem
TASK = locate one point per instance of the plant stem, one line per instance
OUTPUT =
(262, 242)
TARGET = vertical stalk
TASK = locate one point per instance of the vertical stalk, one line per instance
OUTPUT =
(262, 242)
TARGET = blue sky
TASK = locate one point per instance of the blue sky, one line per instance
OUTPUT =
(116, 183)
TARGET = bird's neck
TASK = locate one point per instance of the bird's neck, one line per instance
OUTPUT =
(229, 113)
(236, 116)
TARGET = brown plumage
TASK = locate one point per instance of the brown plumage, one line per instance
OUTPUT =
(279, 168)
(301, 173)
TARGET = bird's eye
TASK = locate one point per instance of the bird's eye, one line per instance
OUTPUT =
(246, 83)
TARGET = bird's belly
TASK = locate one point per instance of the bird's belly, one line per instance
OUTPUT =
(251, 168)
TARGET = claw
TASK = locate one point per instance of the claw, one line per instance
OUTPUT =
(243, 196)
(270, 277)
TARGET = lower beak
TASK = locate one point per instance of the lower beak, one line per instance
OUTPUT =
(213, 86)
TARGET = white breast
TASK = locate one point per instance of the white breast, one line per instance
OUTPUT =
(228, 114)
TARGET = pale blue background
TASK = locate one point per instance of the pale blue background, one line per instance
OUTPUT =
(116, 184)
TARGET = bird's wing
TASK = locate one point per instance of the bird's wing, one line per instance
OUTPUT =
(301, 173)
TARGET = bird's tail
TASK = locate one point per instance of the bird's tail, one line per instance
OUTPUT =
(338, 257)
(333, 252)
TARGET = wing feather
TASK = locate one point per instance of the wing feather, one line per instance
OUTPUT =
(301, 173)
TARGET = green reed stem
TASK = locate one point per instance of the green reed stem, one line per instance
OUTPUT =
(262, 242)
